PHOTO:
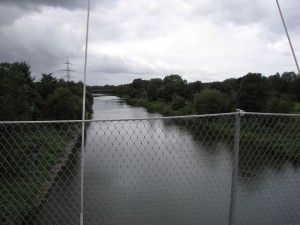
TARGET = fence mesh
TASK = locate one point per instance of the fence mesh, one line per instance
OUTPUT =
(269, 190)
(34, 157)
(151, 171)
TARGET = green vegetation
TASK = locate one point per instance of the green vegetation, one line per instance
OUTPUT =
(156, 106)
(276, 134)
(210, 101)
(253, 92)
(29, 153)
(21, 98)
(276, 137)
(28, 158)
(297, 107)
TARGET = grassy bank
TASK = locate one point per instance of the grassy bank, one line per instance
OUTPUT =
(297, 107)
(32, 157)
(276, 134)
(161, 106)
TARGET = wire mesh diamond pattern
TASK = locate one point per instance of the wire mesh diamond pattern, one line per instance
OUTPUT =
(174, 170)
(151, 172)
(34, 157)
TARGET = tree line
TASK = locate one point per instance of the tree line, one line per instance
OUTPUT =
(23, 98)
(175, 96)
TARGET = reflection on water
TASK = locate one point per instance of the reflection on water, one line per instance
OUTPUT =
(144, 173)
(168, 172)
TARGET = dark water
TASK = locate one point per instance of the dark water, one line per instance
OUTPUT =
(154, 172)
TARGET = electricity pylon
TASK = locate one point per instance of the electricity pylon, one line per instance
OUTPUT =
(68, 70)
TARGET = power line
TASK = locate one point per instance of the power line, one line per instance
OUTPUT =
(288, 36)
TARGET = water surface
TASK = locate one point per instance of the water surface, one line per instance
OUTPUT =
(157, 172)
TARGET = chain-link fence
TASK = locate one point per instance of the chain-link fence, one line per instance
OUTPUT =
(235, 168)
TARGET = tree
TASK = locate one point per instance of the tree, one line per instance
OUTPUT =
(178, 102)
(210, 101)
(47, 85)
(62, 105)
(23, 69)
(15, 92)
(193, 88)
(252, 93)
(153, 88)
(276, 85)
(138, 83)
(133, 92)
(295, 89)
(152, 92)
(173, 84)
(279, 105)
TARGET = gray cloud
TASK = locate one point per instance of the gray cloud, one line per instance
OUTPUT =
(67, 4)
(8, 14)
(119, 64)
(130, 39)
(249, 12)
(43, 42)
(34, 4)
(10, 10)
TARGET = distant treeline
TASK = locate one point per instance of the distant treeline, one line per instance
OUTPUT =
(253, 92)
(22, 98)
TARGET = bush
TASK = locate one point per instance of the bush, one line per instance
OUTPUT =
(186, 110)
(168, 111)
(156, 106)
(279, 105)
(210, 101)
(178, 102)
(252, 93)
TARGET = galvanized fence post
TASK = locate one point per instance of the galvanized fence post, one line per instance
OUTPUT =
(235, 163)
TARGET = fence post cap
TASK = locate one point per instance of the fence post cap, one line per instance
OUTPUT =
(241, 112)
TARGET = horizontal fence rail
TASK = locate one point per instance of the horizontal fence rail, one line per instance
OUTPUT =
(231, 168)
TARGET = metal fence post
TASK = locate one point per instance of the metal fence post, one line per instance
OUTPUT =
(235, 162)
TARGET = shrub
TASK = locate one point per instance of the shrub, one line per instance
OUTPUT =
(279, 105)
(178, 102)
(210, 101)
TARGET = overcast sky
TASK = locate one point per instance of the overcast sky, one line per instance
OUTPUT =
(207, 40)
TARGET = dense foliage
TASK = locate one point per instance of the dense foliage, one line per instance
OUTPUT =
(253, 92)
(29, 152)
(210, 101)
(22, 98)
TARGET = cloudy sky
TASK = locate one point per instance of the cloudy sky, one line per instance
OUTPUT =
(207, 40)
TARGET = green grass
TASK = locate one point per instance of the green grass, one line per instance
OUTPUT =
(297, 107)
(275, 135)
(280, 136)
(155, 106)
(186, 110)
(25, 179)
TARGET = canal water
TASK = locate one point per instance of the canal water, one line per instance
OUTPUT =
(155, 172)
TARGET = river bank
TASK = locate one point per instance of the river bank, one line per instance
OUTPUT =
(57, 168)
(158, 172)
(42, 151)
(60, 167)
(283, 142)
